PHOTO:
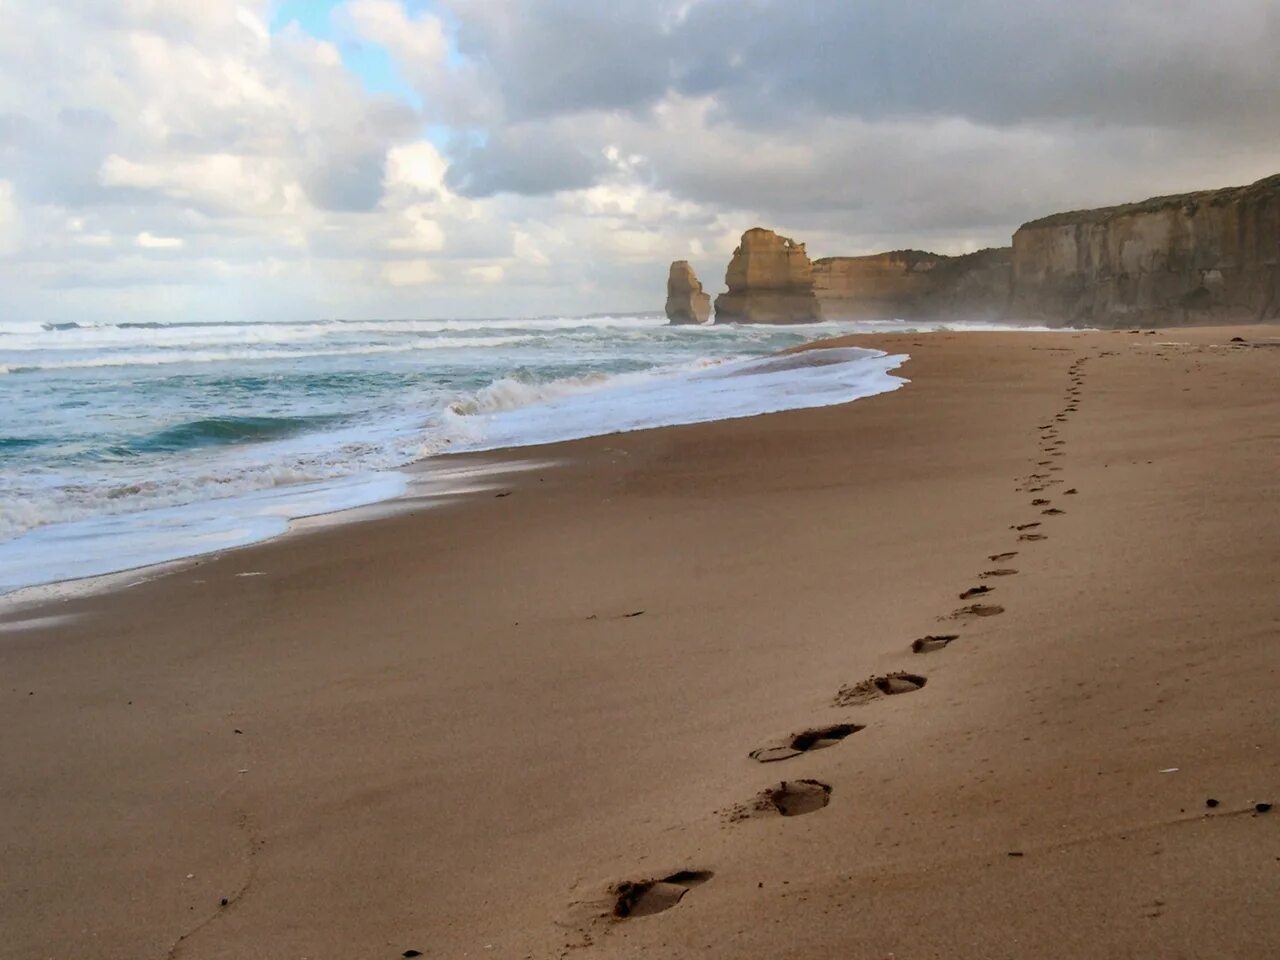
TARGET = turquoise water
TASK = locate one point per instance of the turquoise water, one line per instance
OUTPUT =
(107, 429)
(127, 444)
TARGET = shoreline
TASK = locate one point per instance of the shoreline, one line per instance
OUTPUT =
(341, 499)
(458, 731)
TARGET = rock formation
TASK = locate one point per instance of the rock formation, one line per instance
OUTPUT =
(914, 285)
(686, 303)
(770, 280)
(1207, 257)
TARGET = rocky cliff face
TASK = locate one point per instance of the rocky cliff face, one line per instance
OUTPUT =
(770, 280)
(912, 285)
(1208, 257)
(686, 303)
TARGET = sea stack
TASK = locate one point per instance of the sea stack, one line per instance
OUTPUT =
(686, 303)
(770, 280)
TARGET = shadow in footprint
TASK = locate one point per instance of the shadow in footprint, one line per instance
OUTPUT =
(977, 610)
(1033, 537)
(803, 742)
(1025, 526)
(890, 685)
(997, 557)
(975, 592)
(933, 642)
(643, 898)
(1001, 572)
(1053, 512)
(1039, 502)
(795, 798)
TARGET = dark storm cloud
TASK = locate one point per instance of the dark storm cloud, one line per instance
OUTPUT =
(993, 61)
(523, 159)
(774, 66)
(562, 56)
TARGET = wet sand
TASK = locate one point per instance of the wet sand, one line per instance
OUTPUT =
(458, 730)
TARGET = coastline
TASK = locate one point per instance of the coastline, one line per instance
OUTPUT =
(449, 730)
(90, 554)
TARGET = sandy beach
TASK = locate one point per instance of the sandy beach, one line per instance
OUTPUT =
(459, 730)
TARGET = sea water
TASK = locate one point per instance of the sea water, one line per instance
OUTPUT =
(123, 444)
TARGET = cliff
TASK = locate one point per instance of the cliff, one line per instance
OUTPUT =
(686, 302)
(770, 280)
(1207, 257)
(913, 284)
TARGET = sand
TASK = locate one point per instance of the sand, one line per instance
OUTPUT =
(459, 730)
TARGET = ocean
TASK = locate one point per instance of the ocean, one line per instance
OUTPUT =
(126, 444)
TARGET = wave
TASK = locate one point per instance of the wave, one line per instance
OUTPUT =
(512, 413)
(22, 443)
(165, 358)
(223, 431)
(511, 393)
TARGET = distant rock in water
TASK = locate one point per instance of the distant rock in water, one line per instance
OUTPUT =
(915, 285)
(770, 280)
(686, 303)
(1207, 257)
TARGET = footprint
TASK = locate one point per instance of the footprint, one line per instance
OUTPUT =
(933, 642)
(1053, 512)
(643, 898)
(975, 592)
(872, 688)
(997, 557)
(977, 610)
(805, 741)
(1039, 502)
(1025, 526)
(795, 798)
(1000, 572)
(1072, 490)
(1033, 536)
(790, 798)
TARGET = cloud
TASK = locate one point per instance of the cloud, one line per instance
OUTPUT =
(409, 273)
(149, 241)
(557, 155)
(10, 219)
(528, 159)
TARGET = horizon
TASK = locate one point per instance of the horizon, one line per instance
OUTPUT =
(226, 162)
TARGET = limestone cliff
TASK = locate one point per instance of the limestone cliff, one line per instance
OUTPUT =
(770, 280)
(686, 302)
(913, 285)
(1207, 257)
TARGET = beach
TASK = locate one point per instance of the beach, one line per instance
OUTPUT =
(456, 730)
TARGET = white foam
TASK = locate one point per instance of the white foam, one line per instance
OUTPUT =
(102, 545)
(694, 394)
(44, 361)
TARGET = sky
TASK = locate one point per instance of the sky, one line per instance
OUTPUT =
(167, 160)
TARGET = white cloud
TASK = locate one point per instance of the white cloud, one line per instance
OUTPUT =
(575, 148)
(409, 273)
(10, 220)
(149, 241)
(421, 234)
